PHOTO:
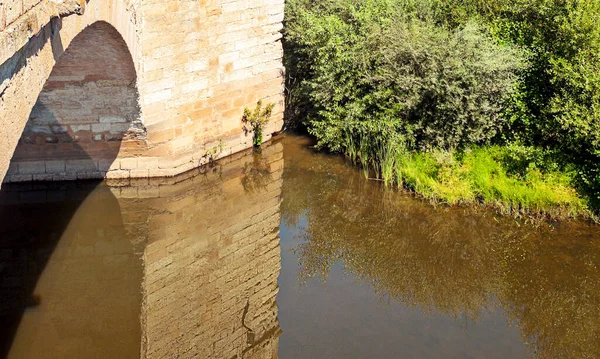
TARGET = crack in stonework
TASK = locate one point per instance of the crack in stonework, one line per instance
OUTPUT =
(250, 333)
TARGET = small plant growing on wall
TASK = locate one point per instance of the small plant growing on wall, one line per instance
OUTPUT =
(255, 121)
(211, 154)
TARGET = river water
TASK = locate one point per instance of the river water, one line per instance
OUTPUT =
(288, 253)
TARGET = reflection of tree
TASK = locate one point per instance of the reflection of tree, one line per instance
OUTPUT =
(256, 175)
(552, 287)
(447, 259)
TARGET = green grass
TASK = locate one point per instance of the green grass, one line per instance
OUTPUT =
(480, 175)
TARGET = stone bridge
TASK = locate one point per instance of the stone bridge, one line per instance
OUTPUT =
(132, 88)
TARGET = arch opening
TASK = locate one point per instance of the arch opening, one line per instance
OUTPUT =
(86, 110)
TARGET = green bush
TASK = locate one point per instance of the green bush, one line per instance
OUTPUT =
(558, 103)
(375, 68)
(255, 120)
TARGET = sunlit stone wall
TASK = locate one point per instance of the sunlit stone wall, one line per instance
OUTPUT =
(204, 62)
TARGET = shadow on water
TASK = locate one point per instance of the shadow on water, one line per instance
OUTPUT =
(209, 241)
(63, 245)
(70, 277)
(28, 238)
(398, 277)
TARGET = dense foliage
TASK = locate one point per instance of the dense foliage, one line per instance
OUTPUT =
(557, 106)
(428, 75)
(373, 68)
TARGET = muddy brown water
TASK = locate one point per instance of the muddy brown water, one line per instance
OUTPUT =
(291, 254)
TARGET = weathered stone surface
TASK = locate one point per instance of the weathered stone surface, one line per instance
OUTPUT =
(69, 7)
(191, 68)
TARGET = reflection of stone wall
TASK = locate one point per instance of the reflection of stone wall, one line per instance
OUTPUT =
(211, 261)
(71, 283)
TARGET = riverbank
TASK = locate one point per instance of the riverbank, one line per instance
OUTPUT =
(491, 176)
(460, 102)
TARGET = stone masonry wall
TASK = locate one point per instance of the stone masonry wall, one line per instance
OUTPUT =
(204, 62)
(212, 259)
(198, 64)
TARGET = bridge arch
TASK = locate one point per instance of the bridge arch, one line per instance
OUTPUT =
(86, 109)
(84, 69)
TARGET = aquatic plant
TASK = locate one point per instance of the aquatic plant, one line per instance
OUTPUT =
(254, 121)
(481, 175)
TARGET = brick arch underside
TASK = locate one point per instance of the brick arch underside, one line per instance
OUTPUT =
(87, 108)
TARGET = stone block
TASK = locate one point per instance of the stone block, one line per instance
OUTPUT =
(64, 177)
(138, 173)
(55, 167)
(195, 86)
(32, 167)
(197, 65)
(129, 192)
(90, 175)
(158, 96)
(147, 162)
(79, 128)
(20, 178)
(44, 177)
(28, 4)
(105, 165)
(117, 174)
(160, 172)
(119, 127)
(128, 163)
(60, 129)
(46, 130)
(13, 169)
(100, 127)
(112, 119)
(11, 10)
(79, 166)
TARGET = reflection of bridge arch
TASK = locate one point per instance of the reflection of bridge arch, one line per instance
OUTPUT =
(208, 275)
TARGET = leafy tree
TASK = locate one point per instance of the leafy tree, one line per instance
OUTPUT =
(372, 68)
